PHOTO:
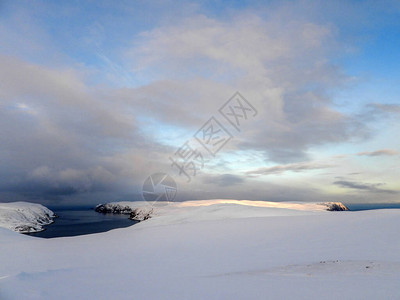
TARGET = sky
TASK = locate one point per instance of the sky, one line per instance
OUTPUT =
(256, 100)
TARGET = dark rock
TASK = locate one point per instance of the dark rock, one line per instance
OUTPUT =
(112, 209)
(335, 206)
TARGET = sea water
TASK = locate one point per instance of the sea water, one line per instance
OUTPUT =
(370, 206)
(80, 221)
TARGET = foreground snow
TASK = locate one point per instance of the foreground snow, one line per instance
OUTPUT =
(239, 252)
(24, 217)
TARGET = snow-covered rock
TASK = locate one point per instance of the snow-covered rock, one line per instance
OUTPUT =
(112, 209)
(25, 217)
(142, 213)
(137, 210)
(123, 207)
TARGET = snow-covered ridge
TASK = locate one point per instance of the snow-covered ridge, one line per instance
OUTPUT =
(25, 217)
(214, 209)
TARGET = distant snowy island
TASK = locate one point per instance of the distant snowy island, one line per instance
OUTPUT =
(25, 217)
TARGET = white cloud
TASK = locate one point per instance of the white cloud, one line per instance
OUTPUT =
(280, 64)
(295, 167)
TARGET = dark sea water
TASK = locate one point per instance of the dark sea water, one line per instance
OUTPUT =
(370, 206)
(73, 222)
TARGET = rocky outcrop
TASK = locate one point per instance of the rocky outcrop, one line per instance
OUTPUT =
(138, 211)
(335, 206)
(113, 208)
(141, 213)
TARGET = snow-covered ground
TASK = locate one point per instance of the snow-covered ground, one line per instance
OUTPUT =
(172, 212)
(24, 217)
(214, 251)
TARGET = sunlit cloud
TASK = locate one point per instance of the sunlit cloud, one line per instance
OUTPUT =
(383, 152)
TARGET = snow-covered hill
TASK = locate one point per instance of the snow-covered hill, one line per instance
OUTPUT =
(175, 212)
(218, 251)
(25, 217)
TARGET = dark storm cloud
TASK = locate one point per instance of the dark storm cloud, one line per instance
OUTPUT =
(59, 138)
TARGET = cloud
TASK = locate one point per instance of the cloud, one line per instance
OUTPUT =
(377, 111)
(62, 134)
(295, 167)
(383, 152)
(223, 180)
(280, 64)
(368, 187)
(387, 108)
